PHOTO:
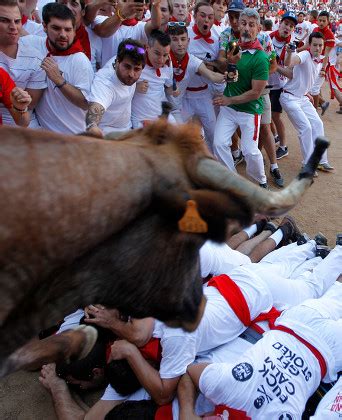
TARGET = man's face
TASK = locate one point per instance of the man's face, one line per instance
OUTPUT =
(127, 71)
(165, 12)
(158, 55)
(180, 10)
(75, 7)
(204, 19)
(286, 27)
(60, 33)
(23, 7)
(300, 18)
(10, 25)
(179, 44)
(249, 28)
(323, 22)
(220, 7)
(316, 46)
(234, 20)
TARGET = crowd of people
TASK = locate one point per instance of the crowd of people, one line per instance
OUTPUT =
(271, 330)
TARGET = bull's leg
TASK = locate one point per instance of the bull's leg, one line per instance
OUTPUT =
(69, 344)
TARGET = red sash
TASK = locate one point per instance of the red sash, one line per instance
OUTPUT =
(164, 412)
(233, 295)
(83, 37)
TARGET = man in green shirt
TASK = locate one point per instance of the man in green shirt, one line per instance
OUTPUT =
(241, 103)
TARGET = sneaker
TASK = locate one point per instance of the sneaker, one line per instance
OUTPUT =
(325, 106)
(280, 153)
(265, 186)
(322, 251)
(320, 239)
(277, 178)
(303, 239)
(270, 226)
(339, 239)
(277, 139)
(290, 230)
(238, 159)
(260, 226)
(325, 167)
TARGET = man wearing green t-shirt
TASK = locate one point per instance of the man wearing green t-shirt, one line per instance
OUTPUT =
(241, 103)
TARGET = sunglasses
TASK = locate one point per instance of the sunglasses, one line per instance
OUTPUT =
(139, 50)
(173, 24)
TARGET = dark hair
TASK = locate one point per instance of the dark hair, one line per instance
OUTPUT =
(9, 3)
(156, 35)
(133, 410)
(121, 377)
(301, 13)
(314, 13)
(268, 24)
(318, 35)
(200, 4)
(177, 30)
(131, 53)
(59, 11)
(324, 13)
(83, 369)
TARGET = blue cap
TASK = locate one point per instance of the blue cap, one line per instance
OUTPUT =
(290, 15)
(236, 6)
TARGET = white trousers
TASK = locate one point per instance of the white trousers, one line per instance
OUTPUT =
(306, 121)
(203, 109)
(228, 121)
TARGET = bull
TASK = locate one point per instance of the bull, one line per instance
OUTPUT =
(87, 221)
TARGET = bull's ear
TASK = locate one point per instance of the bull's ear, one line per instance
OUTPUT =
(158, 132)
(216, 208)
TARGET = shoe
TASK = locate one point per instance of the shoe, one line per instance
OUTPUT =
(303, 239)
(265, 186)
(320, 239)
(325, 167)
(322, 251)
(238, 159)
(280, 153)
(290, 230)
(270, 226)
(277, 178)
(260, 226)
(325, 105)
(277, 139)
(339, 239)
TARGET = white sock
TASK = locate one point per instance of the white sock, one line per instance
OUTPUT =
(277, 236)
(236, 153)
(274, 166)
(251, 230)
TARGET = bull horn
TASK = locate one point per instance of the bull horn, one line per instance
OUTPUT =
(211, 173)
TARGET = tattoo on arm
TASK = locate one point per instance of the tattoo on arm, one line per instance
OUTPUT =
(95, 113)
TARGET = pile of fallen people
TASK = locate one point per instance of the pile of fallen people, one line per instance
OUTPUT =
(269, 345)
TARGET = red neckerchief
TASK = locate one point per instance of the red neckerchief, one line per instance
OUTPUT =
(314, 22)
(73, 49)
(217, 22)
(148, 62)
(24, 19)
(279, 38)
(179, 65)
(252, 45)
(199, 35)
(83, 37)
(173, 19)
(317, 60)
(130, 22)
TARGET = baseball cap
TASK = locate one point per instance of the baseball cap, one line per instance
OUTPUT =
(290, 15)
(236, 6)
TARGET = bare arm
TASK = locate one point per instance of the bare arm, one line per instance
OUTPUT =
(195, 372)
(273, 66)
(186, 393)
(252, 94)
(155, 21)
(326, 57)
(212, 76)
(161, 390)
(20, 101)
(285, 71)
(35, 94)
(92, 9)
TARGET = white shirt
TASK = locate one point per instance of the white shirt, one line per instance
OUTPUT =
(147, 106)
(34, 28)
(219, 259)
(301, 31)
(95, 47)
(205, 52)
(115, 97)
(54, 111)
(277, 80)
(26, 72)
(330, 406)
(304, 75)
(110, 44)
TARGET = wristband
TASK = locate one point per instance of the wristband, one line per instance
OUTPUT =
(61, 85)
(21, 111)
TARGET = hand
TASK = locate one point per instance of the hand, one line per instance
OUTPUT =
(176, 93)
(142, 86)
(96, 131)
(20, 98)
(233, 76)
(121, 349)
(130, 9)
(221, 100)
(220, 78)
(322, 73)
(310, 98)
(233, 59)
(50, 66)
(99, 315)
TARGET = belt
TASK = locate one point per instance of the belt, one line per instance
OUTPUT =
(286, 91)
(197, 89)
(313, 349)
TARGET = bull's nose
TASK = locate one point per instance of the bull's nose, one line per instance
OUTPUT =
(186, 325)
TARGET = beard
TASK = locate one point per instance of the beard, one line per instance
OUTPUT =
(245, 37)
(58, 47)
